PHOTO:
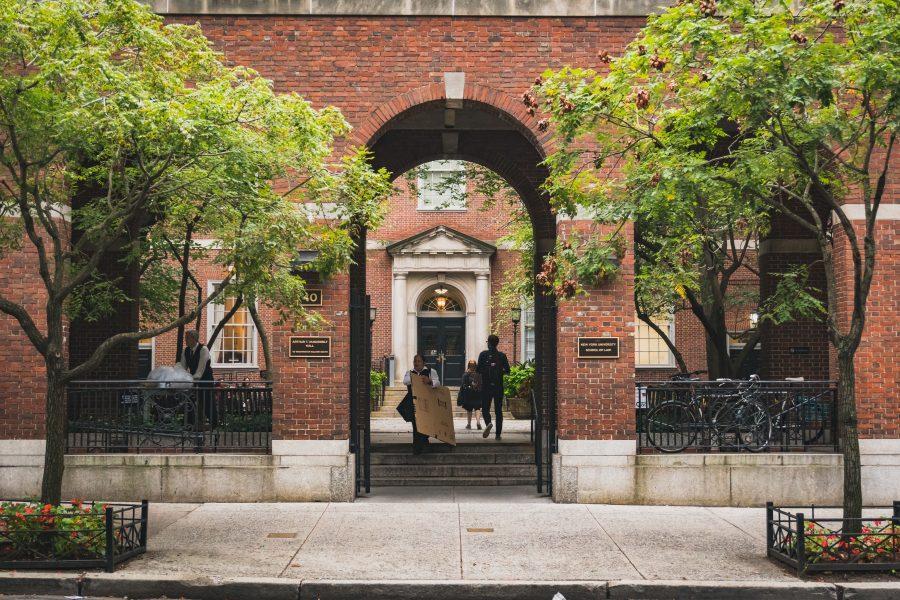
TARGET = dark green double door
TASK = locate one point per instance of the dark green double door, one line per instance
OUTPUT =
(442, 343)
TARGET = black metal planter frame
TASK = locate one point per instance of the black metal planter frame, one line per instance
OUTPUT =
(124, 531)
(837, 541)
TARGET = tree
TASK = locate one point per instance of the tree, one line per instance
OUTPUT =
(114, 126)
(800, 101)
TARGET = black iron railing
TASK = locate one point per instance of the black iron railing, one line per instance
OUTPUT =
(733, 416)
(72, 535)
(141, 416)
(799, 538)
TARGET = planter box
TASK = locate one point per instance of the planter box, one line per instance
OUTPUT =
(72, 535)
(809, 543)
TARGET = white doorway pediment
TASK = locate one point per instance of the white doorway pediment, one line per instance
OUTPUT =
(441, 249)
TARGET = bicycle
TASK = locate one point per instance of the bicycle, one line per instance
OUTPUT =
(808, 415)
(734, 420)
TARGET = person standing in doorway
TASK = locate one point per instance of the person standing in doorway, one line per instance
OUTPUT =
(196, 361)
(407, 407)
(492, 365)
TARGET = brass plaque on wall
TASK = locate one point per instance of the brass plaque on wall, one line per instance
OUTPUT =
(313, 297)
(310, 347)
(599, 347)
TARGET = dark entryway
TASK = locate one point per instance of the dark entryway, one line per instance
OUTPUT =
(442, 343)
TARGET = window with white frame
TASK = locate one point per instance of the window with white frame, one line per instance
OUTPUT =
(650, 349)
(236, 344)
(528, 344)
(441, 185)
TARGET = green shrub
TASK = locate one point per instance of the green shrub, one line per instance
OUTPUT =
(519, 381)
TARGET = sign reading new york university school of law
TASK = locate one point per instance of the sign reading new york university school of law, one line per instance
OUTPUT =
(310, 347)
(599, 347)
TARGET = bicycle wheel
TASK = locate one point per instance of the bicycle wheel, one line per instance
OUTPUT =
(670, 426)
(743, 425)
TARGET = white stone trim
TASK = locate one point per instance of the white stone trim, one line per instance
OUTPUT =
(597, 447)
(22, 447)
(857, 212)
(444, 8)
(879, 446)
(454, 85)
(310, 447)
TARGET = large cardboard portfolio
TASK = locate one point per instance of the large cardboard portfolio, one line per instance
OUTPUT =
(434, 411)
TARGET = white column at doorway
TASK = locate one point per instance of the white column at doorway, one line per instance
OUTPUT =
(482, 308)
(399, 326)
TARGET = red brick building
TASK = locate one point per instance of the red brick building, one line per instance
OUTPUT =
(441, 81)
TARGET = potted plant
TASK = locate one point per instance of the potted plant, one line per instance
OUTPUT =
(517, 389)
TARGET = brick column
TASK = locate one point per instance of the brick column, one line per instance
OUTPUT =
(310, 412)
(595, 397)
(878, 356)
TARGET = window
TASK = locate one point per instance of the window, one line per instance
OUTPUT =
(528, 346)
(146, 349)
(235, 345)
(442, 186)
(650, 349)
(440, 303)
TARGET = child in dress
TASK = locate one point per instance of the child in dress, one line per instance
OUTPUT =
(470, 394)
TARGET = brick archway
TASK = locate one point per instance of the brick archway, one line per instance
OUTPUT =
(482, 126)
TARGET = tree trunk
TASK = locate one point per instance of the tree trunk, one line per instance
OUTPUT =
(263, 338)
(55, 449)
(849, 436)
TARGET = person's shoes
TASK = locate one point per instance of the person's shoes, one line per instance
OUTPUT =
(479, 427)
(469, 426)
(487, 430)
(498, 436)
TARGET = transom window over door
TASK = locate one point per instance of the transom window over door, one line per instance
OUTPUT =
(441, 185)
(236, 345)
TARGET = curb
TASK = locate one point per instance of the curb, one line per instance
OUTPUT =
(140, 587)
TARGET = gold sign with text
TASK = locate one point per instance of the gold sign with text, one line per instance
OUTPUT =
(313, 297)
(310, 347)
(599, 347)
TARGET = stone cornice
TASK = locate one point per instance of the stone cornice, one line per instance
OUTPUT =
(446, 8)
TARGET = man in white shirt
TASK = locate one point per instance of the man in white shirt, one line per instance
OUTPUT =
(428, 376)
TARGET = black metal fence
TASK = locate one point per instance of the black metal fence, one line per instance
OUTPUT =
(731, 416)
(141, 416)
(811, 543)
(71, 536)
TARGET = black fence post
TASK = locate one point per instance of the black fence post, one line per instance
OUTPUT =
(801, 544)
(144, 517)
(770, 532)
(110, 541)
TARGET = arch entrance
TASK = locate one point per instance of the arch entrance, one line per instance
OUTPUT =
(440, 285)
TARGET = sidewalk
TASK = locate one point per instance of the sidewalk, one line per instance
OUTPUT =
(417, 537)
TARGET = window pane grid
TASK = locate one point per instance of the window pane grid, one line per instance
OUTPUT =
(235, 344)
(650, 349)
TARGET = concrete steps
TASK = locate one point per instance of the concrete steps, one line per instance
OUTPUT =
(487, 464)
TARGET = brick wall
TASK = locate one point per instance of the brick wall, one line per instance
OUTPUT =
(23, 377)
(596, 397)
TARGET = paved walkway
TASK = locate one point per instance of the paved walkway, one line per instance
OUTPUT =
(426, 535)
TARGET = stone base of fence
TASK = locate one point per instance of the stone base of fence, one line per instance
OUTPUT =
(610, 472)
(296, 471)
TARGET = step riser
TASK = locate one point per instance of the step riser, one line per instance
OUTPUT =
(454, 482)
(451, 471)
(451, 459)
